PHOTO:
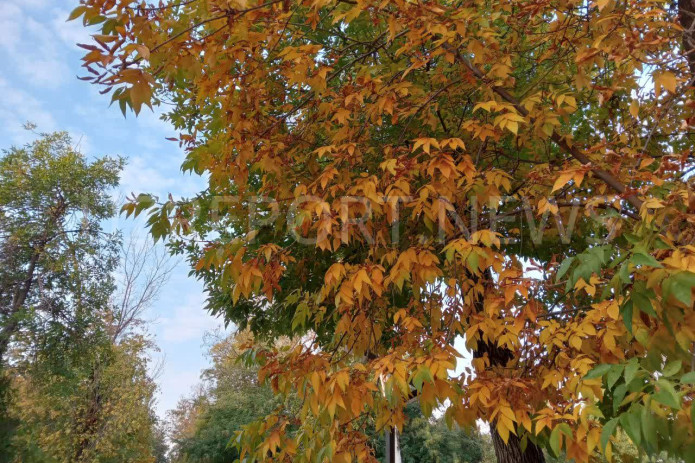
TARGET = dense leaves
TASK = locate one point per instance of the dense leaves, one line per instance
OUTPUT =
(56, 258)
(387, 177)
(75, 384)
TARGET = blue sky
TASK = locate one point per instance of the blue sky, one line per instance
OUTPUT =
(39, 63)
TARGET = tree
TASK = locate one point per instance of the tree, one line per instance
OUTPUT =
(77, 386)
(86, 393)
(56, 258)
(143, 271)
(382, 176)
(204, 426)
(52, 203)
(91, 403)
(427, 441)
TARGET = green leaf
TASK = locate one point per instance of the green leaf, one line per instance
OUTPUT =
(649, 428)
(423, 375)
(631, 424)
(624, 273)
(555, 441)
(565, 429)
(643, 303)
(688, 378)
(618, 396)
(645, 259)
(607, 432)
(692, 413)
(666, 394)
(613, 375)
(598, 371)
(680, 286)
(631, 370)
(626, 314)
(562, 269)
(672, 368)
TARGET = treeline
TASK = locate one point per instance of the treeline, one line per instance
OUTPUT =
(75, 384)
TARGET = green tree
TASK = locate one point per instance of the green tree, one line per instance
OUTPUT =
(76, 366)
(56, 257)
(203, 426)
(426, 440)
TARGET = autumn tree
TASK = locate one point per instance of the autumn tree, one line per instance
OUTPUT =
(386, 177)
(52, 202)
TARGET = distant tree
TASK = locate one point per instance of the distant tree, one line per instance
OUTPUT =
(426, 440)
(203, 426)
(93, 403)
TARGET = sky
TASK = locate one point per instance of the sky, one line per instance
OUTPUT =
(39, 65)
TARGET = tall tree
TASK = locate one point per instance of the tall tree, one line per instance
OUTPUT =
(56, 258)
(52, 203)
(76, 365)
(85, 390)
(204, 426)
(382, 175)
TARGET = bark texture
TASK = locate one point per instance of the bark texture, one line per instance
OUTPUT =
(511, 451)
(686, 15)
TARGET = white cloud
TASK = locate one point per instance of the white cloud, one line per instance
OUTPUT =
(11, 18)
(18, 107)
(188, 321)
(155, 175)
(174, 385)
(31, 44)
(70, 32)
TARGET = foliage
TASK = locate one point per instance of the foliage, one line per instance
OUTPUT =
(75, 382)
(56, 258)
(93, 407)
(381, 177)
(204, 426)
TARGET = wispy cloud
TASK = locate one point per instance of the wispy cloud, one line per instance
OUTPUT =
(18, 107)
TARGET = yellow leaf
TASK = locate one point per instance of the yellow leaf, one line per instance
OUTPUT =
(503, 431)
(668, 81)
(562, 180)
(601, 4)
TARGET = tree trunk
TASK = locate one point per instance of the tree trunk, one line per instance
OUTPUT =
(686, 16)
(20, 295)
(511, 451)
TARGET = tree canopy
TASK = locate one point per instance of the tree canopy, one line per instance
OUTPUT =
(75, 381)
(386, 177)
